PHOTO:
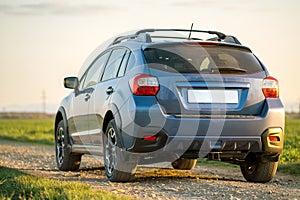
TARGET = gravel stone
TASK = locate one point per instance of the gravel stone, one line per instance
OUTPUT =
(151, 182)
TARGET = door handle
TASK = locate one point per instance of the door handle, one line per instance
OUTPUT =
(109, 90)
(87, 97)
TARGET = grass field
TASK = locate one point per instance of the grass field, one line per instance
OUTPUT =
(28, 130)
(290, 158)
(41, 131)
(17, 185)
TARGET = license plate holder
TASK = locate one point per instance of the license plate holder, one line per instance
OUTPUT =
(213, 96)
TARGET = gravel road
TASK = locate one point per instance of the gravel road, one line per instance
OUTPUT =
(203, 182)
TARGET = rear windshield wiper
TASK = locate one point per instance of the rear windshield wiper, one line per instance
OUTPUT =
(228, 69)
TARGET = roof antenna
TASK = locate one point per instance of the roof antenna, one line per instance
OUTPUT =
(191, 31)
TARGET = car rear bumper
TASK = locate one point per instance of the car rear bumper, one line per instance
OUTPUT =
(180, 135)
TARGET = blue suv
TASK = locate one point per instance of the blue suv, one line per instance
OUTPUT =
(169, 95)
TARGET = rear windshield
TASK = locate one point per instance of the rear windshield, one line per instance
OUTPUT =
(208, 59)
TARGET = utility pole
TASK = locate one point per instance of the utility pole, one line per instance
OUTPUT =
(44, 101)
(299, 108)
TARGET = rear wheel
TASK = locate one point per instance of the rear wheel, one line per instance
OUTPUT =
(255, 170)
(184, 163)
(116, 167)
(66, 161)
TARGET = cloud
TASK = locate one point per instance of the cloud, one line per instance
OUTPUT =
(192, 3)
(54, 8)
(228, 5)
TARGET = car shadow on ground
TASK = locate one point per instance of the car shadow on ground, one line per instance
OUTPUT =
(171, 174)
(146, 174)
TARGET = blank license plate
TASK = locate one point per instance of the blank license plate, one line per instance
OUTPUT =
(213, 96)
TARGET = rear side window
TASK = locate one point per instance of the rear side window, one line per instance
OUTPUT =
(113, 64)
(131, 63)
(93, 74)
(124, 64)
(202, 59)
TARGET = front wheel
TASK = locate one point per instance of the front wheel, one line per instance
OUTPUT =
(184, 163)
(255, 170)
(117, 168)
(66, 161)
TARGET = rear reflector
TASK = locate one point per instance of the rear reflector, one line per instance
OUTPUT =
(270, 87)
(150, 138)
(144, 85)
(274, 138)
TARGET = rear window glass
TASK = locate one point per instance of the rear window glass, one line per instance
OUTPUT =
(202, 59)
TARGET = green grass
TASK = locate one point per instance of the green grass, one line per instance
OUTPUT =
(290, 158)
(17, 185)
(205, 161)
(38, 131)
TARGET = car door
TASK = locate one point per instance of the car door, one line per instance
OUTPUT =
(78, 121)
(103, 92)
(80, 125)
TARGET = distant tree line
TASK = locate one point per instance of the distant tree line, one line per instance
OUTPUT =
(25, 115)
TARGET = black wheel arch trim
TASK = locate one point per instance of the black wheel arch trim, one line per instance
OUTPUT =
(62, 111)
(116, 114)
(118, 121)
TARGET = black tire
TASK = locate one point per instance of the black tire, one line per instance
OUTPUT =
(65, 160)
(184, 163)
(254, 170)
(117, 168)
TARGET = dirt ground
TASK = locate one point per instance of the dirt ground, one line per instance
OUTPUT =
(203, 182)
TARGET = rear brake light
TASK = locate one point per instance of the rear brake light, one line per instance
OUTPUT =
(270, 87)
(144, 85)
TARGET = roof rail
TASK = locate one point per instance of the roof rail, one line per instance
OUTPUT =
(144, 36)
(121, 38)
(219, 34)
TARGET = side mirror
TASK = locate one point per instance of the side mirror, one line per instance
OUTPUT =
(71, 82)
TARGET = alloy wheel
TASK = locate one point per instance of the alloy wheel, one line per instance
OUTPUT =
(60, 136)
(110, 151)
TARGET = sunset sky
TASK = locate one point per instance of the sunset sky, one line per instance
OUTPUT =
(43, 41)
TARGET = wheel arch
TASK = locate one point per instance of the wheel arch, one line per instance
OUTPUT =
(112, 113)
(108, 116)
(61, 115)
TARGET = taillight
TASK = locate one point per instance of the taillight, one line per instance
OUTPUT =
(144, 85)
(270, 87)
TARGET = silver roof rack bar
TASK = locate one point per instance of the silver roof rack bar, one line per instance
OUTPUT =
(144, 36)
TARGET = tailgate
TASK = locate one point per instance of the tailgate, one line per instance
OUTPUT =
(214, 95)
